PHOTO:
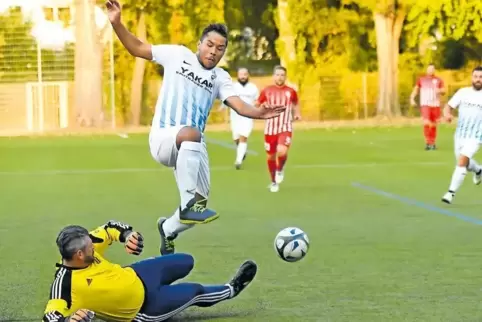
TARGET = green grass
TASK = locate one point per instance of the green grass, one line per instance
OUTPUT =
(371, 258)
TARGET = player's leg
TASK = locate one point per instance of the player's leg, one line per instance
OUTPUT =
(465, 150)
(434, 119)
(187, 149)
(241, 151)
(173, 299)
(270, 144)
(282, 148)
(425, 111)
(163, 270)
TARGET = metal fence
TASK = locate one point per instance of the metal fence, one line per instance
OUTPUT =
(37, 67)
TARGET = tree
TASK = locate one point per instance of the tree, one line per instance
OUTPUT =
(88, 65)
(388, 16)
(456, 25)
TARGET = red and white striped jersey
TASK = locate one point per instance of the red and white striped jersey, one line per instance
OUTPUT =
(428, 95)
(284, 96)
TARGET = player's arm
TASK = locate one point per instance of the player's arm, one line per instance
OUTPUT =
(296, 106)
(414, 94)
(134, 45)
(452, 104)
(114, 231)
(441, 90)
(228, 96)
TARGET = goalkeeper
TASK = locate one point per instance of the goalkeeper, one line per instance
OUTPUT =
(88, 285)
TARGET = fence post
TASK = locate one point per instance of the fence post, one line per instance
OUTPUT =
(365, 95)
(40, 88)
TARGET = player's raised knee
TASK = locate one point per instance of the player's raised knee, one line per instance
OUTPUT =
(188, 134)
(185, 260)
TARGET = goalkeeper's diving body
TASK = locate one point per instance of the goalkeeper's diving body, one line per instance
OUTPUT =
(88, 285)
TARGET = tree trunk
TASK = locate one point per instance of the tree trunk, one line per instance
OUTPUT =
(88, 66)
(388, 28)
(137, 82)
(286, 39)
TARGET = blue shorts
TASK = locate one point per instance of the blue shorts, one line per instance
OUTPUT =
(163, 300)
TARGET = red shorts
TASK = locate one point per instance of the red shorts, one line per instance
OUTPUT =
(272, 141)
(430, 113)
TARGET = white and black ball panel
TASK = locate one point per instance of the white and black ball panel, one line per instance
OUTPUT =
(291, 244)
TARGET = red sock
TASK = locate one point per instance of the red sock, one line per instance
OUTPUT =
(281, 162)
(433, 136)
(272, 169)
(426, 132)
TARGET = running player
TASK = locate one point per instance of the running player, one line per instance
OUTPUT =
(191, 84)
(278, 130)
(431, 88)
(468, 134)
(241, 126)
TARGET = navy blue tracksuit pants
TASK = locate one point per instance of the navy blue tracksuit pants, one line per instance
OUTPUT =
(164, 300)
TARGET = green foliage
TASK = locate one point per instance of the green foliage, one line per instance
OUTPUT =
(445, 19)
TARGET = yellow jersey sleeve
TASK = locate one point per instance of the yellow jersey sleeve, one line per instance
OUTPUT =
(60, 300)
(105, 235)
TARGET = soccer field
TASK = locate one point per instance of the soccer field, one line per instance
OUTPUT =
(383, 246)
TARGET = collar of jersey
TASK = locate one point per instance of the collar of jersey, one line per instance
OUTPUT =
(70, 268)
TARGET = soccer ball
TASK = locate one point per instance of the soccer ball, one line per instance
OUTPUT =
(291, 244)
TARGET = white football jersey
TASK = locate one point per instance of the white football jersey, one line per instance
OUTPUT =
(469, 103)
(188, 89)
(248, 93)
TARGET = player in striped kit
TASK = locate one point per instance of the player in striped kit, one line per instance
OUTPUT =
(468, 135)
(278, 131)
(431, 88)
(191, 84)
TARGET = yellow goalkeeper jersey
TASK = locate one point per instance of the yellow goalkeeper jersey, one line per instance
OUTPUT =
(113, 292)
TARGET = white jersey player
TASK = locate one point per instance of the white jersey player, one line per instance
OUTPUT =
(468, 136)
(191, 84)
(241, 126)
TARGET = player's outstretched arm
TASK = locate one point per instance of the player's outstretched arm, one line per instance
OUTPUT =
(105, 235)
(264, 111)
(134, 45)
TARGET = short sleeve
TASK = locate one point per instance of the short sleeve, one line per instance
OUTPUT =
(455, 101)
(262, 97)
(164, 54)
(419, 83)
(294, 97)
(225, 85)
(441, 83)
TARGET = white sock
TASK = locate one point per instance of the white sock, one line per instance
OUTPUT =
(473, 166)
(187, 170)
(173, 225)
(457, 178)
(241, 151)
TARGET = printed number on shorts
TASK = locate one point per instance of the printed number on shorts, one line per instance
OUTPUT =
(287, 140)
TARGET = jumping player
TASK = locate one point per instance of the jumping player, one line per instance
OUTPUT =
(86, 284)
(468, 134)
(278, 131)
(241, 126)
(431, 88)
(191, 84)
